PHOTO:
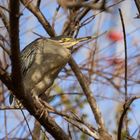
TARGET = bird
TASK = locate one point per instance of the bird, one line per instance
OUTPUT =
(43, 59)
(69, 3)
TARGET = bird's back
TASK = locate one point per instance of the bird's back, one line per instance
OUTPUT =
(41, 62)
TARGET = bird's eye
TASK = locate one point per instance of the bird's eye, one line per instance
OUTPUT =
(64, 39)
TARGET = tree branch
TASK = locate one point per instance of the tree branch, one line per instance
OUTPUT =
(91, 100)
(89, 95)
(35, 10)
(137, 2)
(126, 106)
(32, 104)
(4, 19)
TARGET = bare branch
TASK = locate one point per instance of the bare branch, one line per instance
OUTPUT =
(15, 51)
(74, 120)
(125, 109)
(4, 19)
(5, 49)
(32, 104)
(137, 2)
(6, 79)
(38, 3)
(40, 17)
(69, 30)
(90, 98)
(125, 47)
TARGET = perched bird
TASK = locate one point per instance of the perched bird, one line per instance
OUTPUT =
(43, 59)
(68, 3)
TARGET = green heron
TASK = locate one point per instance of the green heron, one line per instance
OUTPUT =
(43, 59)
(67, 3)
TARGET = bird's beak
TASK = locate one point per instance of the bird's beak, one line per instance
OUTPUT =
(85, 38)
(78, 40)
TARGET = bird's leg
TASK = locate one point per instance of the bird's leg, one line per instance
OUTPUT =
(41, 111)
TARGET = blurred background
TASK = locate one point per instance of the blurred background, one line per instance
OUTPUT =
(102, 61)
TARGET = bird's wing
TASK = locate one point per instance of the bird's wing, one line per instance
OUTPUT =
(28, 55)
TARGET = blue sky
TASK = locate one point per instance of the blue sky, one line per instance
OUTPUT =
(107, 21)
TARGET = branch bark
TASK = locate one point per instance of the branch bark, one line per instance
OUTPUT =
(32, 104)
(91, 100)
(126, 107)
(137, 2)
(35, 10)
(80, 77)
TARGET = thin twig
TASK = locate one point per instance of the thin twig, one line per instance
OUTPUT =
(5, 49)
(10, 108)
(81, 79)
(5, 116)
(4, 20)
(5, 78)
(91, 100)
(75, 120)
(126, 108)
(26, 122)
(84, 86)
(38, 3)
(137, 2)
(125, 47)
(54, 17)
(40, 17)
(2, 7)
(125, 78)
(124, 114)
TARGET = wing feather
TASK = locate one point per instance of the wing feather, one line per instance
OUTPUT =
(28, 55)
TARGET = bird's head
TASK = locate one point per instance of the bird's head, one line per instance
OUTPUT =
(68, 42)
